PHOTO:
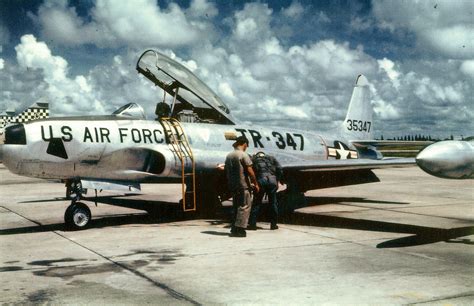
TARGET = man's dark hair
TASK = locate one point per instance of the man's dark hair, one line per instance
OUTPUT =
(240, 141)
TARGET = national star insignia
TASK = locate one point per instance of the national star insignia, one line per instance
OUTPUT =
(341, 151)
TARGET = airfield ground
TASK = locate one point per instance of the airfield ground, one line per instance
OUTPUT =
(406, 240)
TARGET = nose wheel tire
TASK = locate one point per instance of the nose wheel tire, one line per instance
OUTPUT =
(77, 216)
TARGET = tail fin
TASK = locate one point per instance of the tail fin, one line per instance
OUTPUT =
(38, 110)
(6, 117)
(358, 122)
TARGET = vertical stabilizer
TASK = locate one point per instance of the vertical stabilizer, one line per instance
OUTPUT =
(38, 110)
(358, 122)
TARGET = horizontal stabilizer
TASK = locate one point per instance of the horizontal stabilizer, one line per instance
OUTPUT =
(125, 187)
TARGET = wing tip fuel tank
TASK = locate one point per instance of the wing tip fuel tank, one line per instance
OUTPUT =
(448, 159)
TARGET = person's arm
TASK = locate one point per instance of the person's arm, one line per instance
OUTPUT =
(247, 164)
(253, 178)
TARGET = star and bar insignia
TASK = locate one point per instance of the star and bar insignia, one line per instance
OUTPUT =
(341, 151)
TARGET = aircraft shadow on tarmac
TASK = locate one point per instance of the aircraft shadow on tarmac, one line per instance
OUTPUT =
(164, 212)
(420, 234)
(428, 236)
(312, 201)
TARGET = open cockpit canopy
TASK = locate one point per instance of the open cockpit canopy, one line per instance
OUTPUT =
(191, 94)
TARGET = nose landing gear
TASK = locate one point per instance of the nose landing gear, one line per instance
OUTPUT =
(74, 190)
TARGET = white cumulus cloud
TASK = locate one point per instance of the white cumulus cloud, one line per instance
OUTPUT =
(467, 67)
(252, 66)
(263, 80)
(441, 25)
(129, 23)
(388, 66)
(295, 10)
(68, 95)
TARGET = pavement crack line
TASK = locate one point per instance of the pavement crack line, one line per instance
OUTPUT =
(340, 240)
(175, 294)
(442, 298)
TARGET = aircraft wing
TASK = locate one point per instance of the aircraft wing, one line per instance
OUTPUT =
(347, 164)
(384, 143)
(317, 174)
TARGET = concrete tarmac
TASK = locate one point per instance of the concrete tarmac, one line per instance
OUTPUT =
(406, 240)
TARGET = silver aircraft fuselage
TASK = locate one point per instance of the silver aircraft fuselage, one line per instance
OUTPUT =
(116, 149)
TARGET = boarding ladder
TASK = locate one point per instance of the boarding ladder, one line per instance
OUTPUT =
(179, 145)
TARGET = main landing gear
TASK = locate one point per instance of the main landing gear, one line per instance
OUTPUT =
(78, 215)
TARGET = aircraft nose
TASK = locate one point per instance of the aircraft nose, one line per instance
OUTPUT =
(447, 159)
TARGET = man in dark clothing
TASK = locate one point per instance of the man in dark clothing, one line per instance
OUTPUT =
(269, 173)
(240, 177)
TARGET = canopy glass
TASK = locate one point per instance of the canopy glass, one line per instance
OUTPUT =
(171, 76)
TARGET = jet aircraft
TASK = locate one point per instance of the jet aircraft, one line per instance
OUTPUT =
(452, 159)
(187, 143)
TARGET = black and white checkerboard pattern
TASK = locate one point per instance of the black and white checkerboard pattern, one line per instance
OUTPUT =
(4, 120)
(32, 114)
(28, 115)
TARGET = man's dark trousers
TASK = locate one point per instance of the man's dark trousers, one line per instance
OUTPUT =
(268, 185)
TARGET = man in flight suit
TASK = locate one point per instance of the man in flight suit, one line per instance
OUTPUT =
(238, 167)
(268, 172)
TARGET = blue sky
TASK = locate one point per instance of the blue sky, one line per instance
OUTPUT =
(281, 62)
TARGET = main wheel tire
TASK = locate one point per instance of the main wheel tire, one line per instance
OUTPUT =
(77, 216)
